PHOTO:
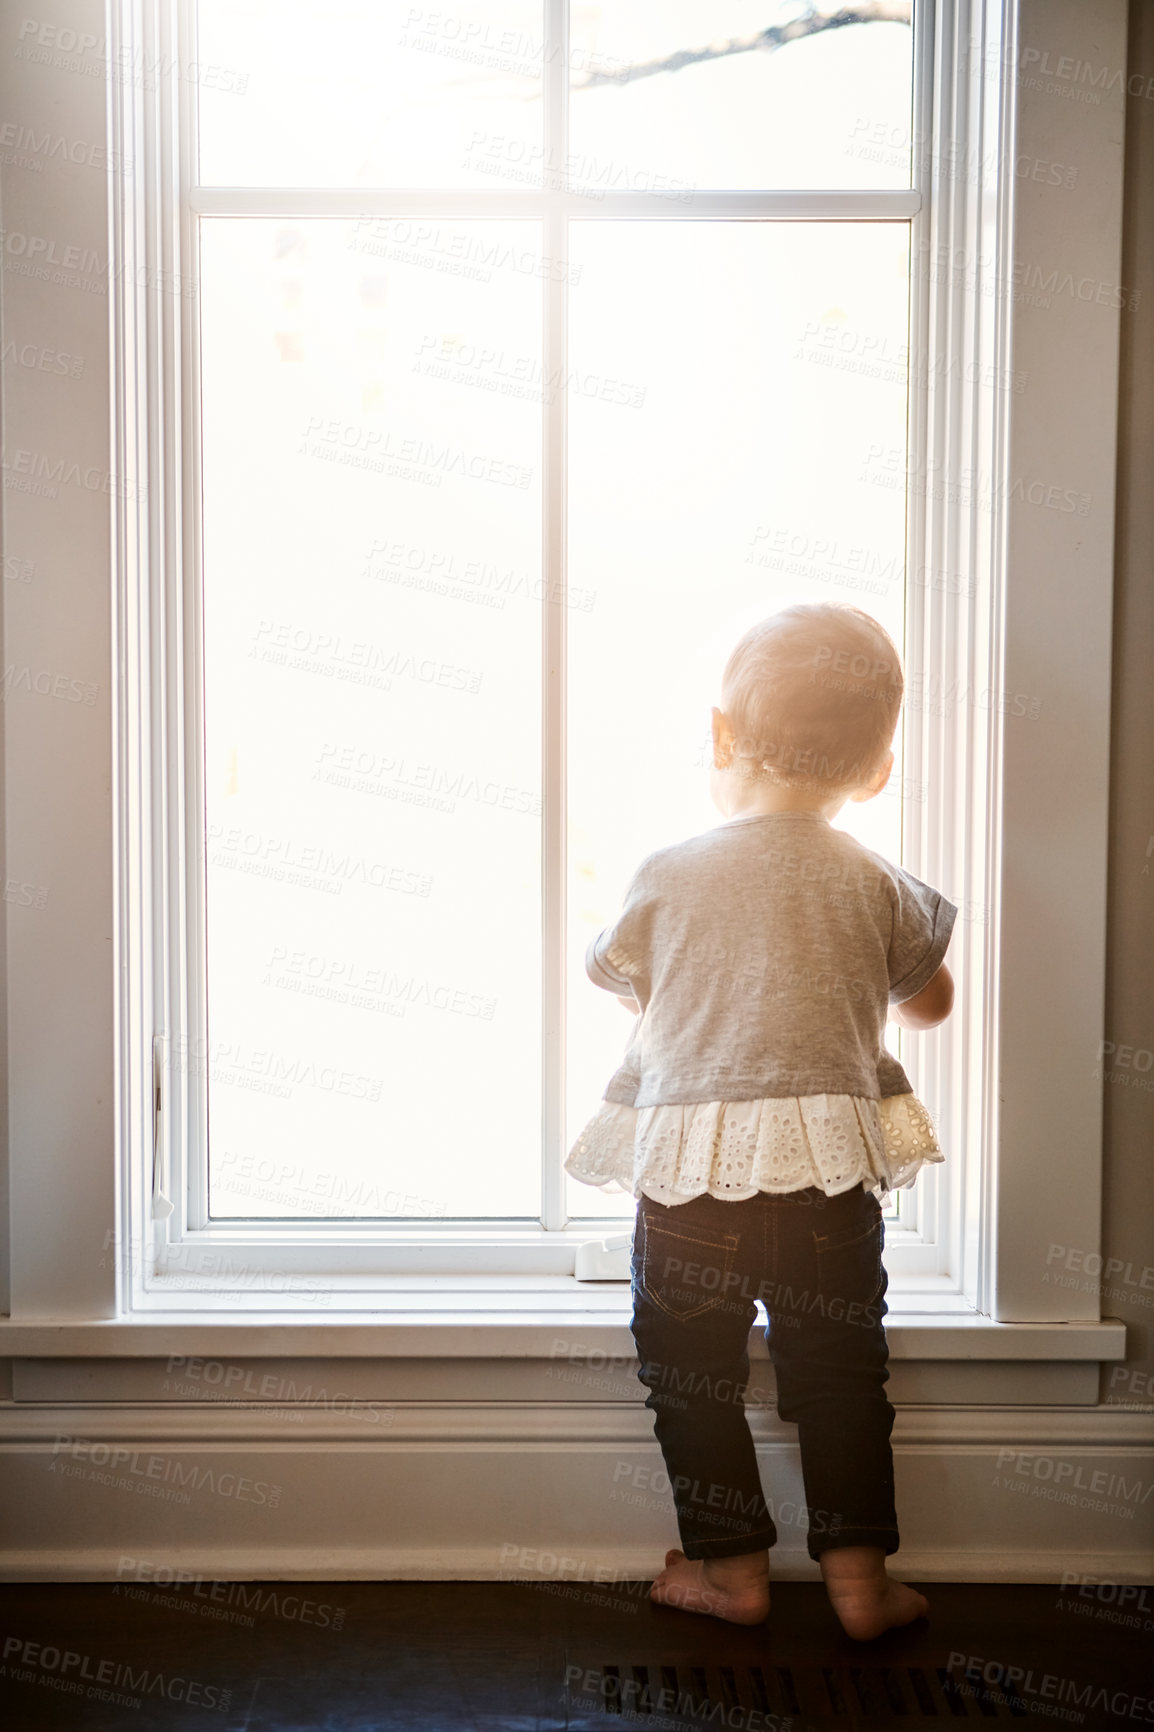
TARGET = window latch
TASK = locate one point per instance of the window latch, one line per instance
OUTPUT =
(605, 1259)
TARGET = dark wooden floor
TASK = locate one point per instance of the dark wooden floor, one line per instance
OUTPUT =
(355, 1656)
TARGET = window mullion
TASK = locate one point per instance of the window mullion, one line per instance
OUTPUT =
(447, 204)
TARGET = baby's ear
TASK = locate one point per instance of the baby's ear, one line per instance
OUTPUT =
(876, 782)
(885, 770)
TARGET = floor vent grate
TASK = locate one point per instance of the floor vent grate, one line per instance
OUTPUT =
(674, 1692)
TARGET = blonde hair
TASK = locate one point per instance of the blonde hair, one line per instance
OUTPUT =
(813, 695)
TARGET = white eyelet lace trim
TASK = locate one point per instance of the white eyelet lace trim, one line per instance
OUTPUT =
(736, 1148)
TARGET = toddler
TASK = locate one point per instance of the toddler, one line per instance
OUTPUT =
(757, 1115)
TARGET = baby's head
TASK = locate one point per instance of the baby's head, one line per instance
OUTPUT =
(811, 697)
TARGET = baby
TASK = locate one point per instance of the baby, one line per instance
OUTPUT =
(757, 1116)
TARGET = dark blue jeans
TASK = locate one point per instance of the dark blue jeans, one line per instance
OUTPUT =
(815, 1263)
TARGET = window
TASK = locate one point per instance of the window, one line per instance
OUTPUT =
(488, 376)
(482, 310)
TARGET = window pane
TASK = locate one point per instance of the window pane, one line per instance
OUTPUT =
(753, 455)
(369, 93)
(676, 96)
(372, 629)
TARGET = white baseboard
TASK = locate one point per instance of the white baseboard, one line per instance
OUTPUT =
(1005, 1495)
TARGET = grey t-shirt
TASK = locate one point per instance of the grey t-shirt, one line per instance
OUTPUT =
(764, 954)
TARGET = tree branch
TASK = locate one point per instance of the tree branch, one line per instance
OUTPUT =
(774, 36)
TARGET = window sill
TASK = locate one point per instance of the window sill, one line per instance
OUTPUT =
(544, 1329)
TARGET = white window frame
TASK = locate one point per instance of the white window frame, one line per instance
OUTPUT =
(997, 1209)
(402, 1246)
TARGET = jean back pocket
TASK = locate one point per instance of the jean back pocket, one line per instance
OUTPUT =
(685, 1271)
(849, 1252)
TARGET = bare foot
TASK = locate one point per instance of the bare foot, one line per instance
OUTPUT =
(736, 1589)
(864, 1597)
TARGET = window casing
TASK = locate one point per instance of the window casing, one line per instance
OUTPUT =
(952, 642)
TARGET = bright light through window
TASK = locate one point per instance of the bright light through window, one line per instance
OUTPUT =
(382, 398)
(729, 475)
(372, 702)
